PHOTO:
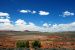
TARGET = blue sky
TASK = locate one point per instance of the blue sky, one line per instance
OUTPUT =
(41, 13)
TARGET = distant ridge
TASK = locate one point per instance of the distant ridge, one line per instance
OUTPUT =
(27, 32)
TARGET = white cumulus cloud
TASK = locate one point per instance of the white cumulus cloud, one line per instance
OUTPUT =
(25, 11)
(4, 14)
(43, 13)
(34, 12)
(22, 25)
(67, 13)
(5, 21)
(5, 24)
(45, 25)
(20, 21)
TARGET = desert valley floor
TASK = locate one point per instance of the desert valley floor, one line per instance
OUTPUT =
(8, 39)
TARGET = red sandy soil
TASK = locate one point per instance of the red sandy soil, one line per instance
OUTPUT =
(46, 41)
(7, 42)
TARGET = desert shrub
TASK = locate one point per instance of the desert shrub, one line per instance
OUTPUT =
(22, 44)
(27, 44)
(36, 44)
